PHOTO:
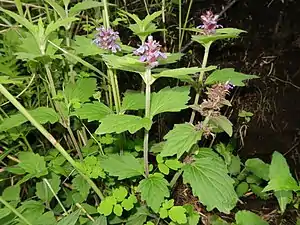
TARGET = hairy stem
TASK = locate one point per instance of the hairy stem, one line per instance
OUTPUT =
(52, 140)
(200, 81)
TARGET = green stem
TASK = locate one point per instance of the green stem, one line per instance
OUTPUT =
(105, 14)
(180, 22)
(147, 115)
(185, 23)
(52, 140)
(200, 81)
(175, 178)
(26, 142)
(115, 89)
(15, 211)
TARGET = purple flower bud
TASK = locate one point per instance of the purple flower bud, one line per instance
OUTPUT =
(210, 23)
(228, 86)
(106, 39)
(150, 52)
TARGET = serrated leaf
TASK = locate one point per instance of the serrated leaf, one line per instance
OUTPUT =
(210, 182)
(223, 123)
(228, 74)
(34, 164)
(150, 17)
(42, 115)
(258, 168)
(284, 198)
(44, 193)
(180, 140)
(280, 176)
(81, 185)
(139, 217)
(133, 100)
(119, 123)
(92, 168)
(12, 193)
(71, 219)
(153, 190)
(242, 189)
(60, 11)
(177, 214)
(86, 46)
(82, 90)
(120, 193)
(169, 100)
(93, 111)
(248, 218)
(122, 166)
(84, 6)
(224, 33)
(57, 24)
(183, 73)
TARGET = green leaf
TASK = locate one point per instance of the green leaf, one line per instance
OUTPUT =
(235, 166)
(81, 185)
(53, 26)
(92, 168)
(133, 100)
(193, 216)
(224, 33)
(119, 123)
(12, 193)
(163, 168)
(127, 204)
(168, 204)
(93, 111)
(122, 166)
(106, 206)
(180, 140)
(82, 90)
(102, 220)
(252, 179)
(210, 182)
(173, 164)
(150, 17)
(139, 217)
(258, 191)
(177, 214)
(120, 193)
(163, 213)
(169, 100)
(171, 58)
(70, 219)
(223, 123)
(153, 190)
(280, 176)
(86, 46)
(44, 193)
(183, 73)
(284, 198)
(42, 115)
(60, 10)
(118, 210)
(242, 189)
(84, 6)
(33, 164)
(258, 168)
(248, 218)
(228, 74)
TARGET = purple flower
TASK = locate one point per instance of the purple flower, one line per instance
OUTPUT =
(228, 86)
(210, 23)
(150, 52)
(106, 39)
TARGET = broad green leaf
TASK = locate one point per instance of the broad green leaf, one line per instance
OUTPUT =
(86, 46)
(81, 185)
(115, 123)
(223, 123)
(82, 90)
(284, 198)
(173, 164)
(163, 168)
(210, 183)
(177, 214)
(44, 193)
(242, 189)
(127, 204)
(252, 179)
(248, 218)
(153, 190)
(71, 219)
(280, 176)
(120, 193)
(42, 115)
(33, 164)
(235, 166)
(12, 193)
(258, 191)
(258, 168)
(133, 100)
(182, 73)
(180, 140)
(53, 26)
(106, 206)
(139, 217)
(122, 166)
(60, 10)
(84, 6)
(224, 33)
(118, 210)
(228, 75)
(169, 100)
(93, 111)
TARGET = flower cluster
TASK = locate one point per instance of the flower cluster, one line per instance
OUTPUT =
(150, 52)
(216, 99)
(210, 23)
(106, 39)
(206, 129)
